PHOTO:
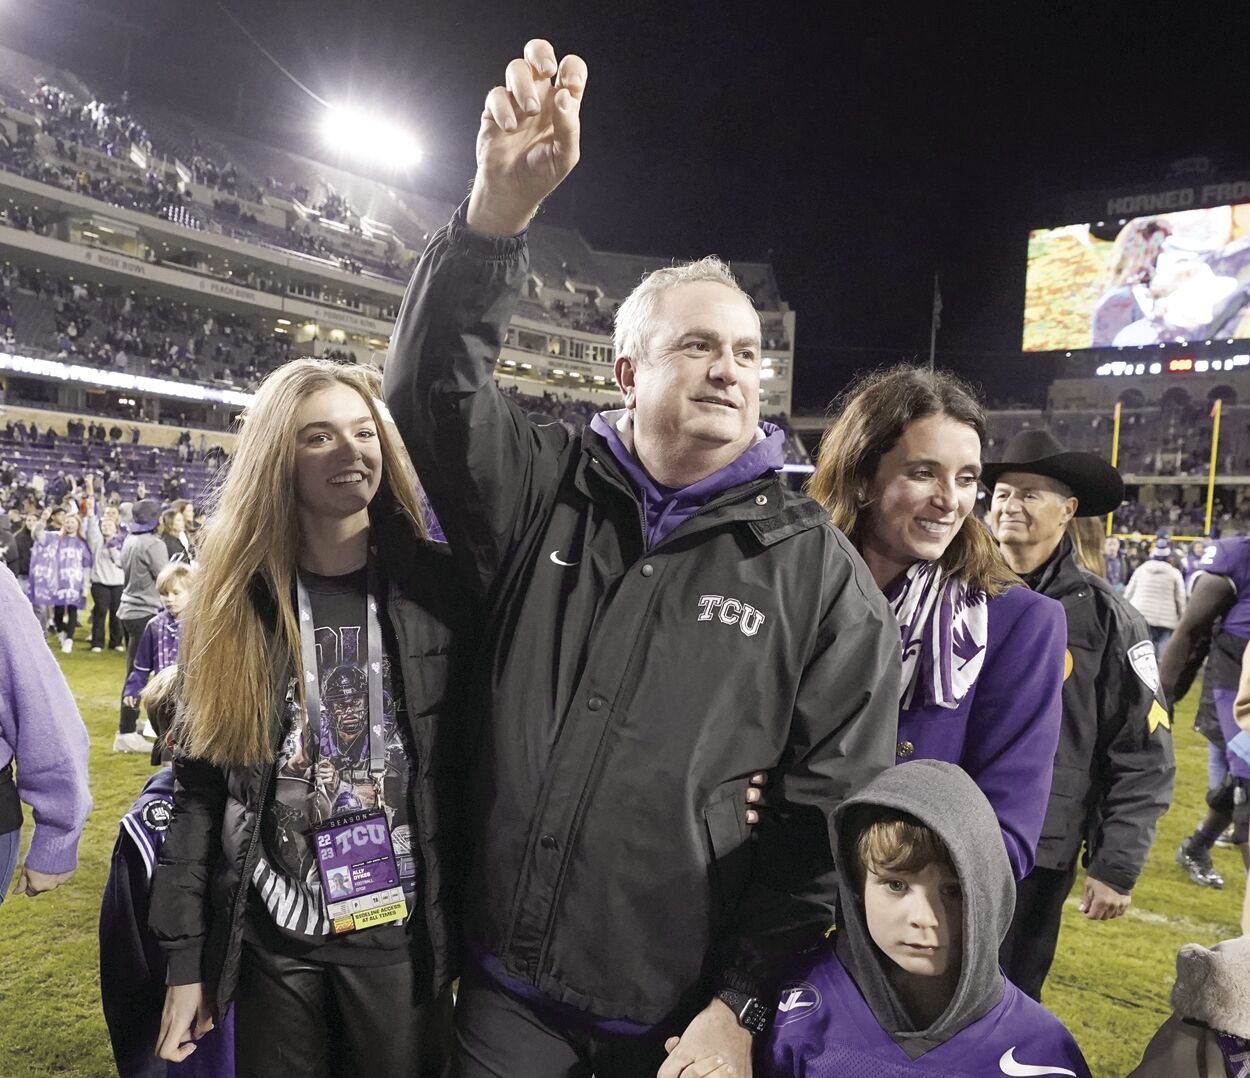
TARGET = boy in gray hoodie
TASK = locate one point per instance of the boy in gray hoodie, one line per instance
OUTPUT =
(909, 980)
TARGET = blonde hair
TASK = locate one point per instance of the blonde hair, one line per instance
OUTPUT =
(871, 416)
(160, 693)
(1087, 537)
(898, 842)
(230, 655)
(174, 573)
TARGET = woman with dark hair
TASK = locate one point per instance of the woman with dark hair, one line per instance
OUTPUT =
(983, 656)
(173, 531)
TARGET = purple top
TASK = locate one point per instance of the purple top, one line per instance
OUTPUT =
(1224, 712)
(665, 508)
(40, 725)
(59, 570)
(1230, 558)
(1005, 730)
(132, 965)
(825, 1029)
(158, 648)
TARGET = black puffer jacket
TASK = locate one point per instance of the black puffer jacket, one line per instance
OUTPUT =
(198, 905)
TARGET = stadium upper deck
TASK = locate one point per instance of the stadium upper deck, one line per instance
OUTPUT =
(136, 202)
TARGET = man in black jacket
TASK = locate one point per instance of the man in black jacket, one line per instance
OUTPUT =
(664, 618)
(1114, 766)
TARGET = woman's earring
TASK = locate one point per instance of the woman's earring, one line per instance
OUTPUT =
(860, 501)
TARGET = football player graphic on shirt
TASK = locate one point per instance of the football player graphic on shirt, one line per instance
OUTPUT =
(343, 770)
(318, 778)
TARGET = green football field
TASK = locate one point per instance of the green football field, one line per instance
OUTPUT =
(1110, 982)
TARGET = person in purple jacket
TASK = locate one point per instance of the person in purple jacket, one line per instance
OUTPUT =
(1216, 623)
(59, 575)
(983, 656)
(909, 979)
(41, 730)
(132, 964)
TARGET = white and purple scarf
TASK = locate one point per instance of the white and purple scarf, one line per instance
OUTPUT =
(943, 625)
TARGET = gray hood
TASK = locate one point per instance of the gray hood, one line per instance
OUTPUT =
(945, 799)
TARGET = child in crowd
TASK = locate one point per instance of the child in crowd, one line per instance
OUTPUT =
(132, 964)
(158, 646)
(910, 980)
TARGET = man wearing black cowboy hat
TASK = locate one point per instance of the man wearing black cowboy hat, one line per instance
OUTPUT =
(1114, 765)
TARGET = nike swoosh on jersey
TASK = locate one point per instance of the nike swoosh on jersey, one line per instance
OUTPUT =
(556, 558)
(1008, 1065)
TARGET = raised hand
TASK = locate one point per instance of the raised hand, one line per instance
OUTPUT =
(529, 140)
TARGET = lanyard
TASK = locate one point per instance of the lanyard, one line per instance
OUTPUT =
(373, 667)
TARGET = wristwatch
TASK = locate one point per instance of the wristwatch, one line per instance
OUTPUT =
(752, 1013)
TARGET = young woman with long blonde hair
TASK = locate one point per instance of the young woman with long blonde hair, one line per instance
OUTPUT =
(316, 719)
(983, 656)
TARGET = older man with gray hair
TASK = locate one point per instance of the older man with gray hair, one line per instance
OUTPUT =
(663, 618)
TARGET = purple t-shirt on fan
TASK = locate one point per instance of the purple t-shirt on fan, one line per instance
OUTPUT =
(825, 1029)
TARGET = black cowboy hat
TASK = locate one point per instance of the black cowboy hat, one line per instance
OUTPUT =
(1098, 487)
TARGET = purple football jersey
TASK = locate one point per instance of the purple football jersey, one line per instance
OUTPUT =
(824, 1029)
(1230, 558)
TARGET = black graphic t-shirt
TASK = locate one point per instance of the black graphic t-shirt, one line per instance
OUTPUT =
(318, 779)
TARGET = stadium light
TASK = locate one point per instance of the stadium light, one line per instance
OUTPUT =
(360, 134)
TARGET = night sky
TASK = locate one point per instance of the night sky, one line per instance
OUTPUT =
(864, 149)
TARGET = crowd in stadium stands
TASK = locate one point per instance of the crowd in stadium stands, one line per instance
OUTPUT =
(1166, 518)
(110, 131)
(38, 466)
(97, 124)
(154, 196)
(1171, 440)
(590, 320)
(137, 334)
(221, 176)
(8, 322)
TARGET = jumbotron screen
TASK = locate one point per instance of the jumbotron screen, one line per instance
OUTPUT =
(1182, 276)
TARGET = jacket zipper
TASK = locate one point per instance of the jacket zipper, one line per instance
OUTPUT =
(545, 943)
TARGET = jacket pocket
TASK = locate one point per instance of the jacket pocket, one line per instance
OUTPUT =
(730, 851)
(426, 681)
(1065, 810)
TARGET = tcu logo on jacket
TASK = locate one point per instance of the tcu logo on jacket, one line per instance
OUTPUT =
(731, 612)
